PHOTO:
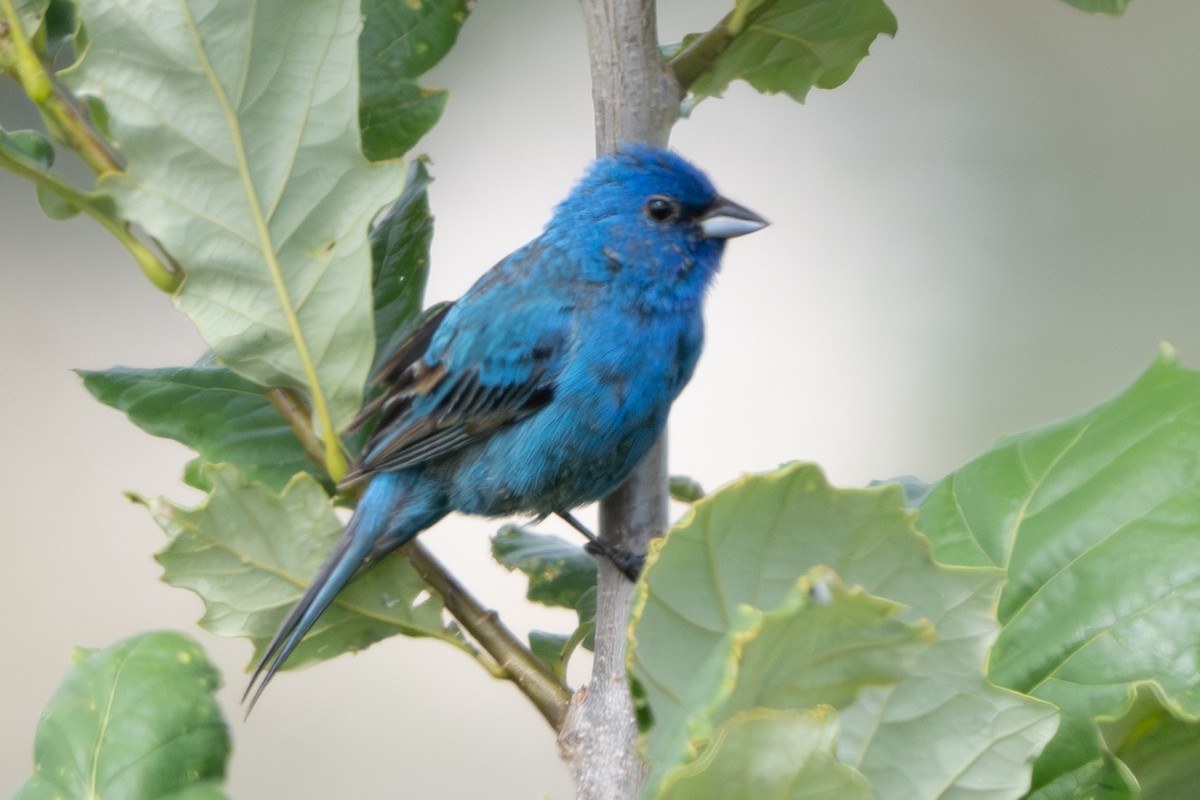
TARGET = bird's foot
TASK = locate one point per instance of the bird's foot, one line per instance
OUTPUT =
(629, 563)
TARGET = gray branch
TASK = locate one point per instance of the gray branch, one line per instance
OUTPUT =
(636, 98)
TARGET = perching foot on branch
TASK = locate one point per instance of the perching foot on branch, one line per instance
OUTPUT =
(629, 563)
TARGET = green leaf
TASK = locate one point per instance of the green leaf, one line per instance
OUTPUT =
(250, 553)
(551, 648)
(685, 489)
(53, 204)
(837, 641)
(789, 46)
(770, 754)
(35, 149)
(60, 27)
(1097, 780)
(136, 720)
(1158, 746)
(395, 117)
(30, 14)
(1097, 520)
(212, 410)
(821, 646)
(559, 572)
(29, 145)
(942, 728)
(562, 575)
(49, 24)
(400, 41)
(245, 166)
(194, 475)
(400, 243)
(1114, 7)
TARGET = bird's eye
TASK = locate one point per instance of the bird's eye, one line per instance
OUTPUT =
(661, 209)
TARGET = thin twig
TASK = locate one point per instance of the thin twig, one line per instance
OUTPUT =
(299, 418)
(152, 267)
(519, 665)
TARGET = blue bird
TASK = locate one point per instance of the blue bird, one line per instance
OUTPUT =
(541, 387)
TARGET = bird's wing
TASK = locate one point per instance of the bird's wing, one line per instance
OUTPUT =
(468, 371)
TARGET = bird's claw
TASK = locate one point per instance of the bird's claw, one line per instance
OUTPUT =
(629, 563)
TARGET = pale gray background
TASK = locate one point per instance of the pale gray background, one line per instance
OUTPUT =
(993, 224)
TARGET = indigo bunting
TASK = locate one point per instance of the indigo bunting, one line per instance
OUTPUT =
(541, 387)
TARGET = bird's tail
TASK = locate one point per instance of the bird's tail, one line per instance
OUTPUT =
(371, 533)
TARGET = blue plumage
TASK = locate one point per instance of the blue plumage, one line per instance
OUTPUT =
(541, 388)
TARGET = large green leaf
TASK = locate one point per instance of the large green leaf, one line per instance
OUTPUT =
(400, 40)
(770, 754)
(250, 553)
(227, 418)
(238, 122)
(939, 731)
(217, 413)
(1097, 521)
(821, 646)
(791, 46)
(135, 721)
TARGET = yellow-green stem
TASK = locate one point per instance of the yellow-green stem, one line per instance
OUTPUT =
(60, 113)
(26, 63)
(152, 267)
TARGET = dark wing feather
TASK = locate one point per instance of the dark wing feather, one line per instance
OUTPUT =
(441, 397)
(392, 371)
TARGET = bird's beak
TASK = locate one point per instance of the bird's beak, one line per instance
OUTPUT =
(725, 219)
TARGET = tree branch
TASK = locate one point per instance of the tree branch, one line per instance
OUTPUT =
(636, 98)
(634, 95)
(298, 417)
(516, 662)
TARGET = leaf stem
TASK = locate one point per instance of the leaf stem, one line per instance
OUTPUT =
(152, 267)
(59, 111)
(515, 660)
(26, 64)
(291, 407)
(66, 123)
(691, 62)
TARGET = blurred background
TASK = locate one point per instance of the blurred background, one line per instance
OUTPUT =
(993, 224)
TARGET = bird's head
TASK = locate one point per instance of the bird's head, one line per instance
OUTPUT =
(646, 218)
